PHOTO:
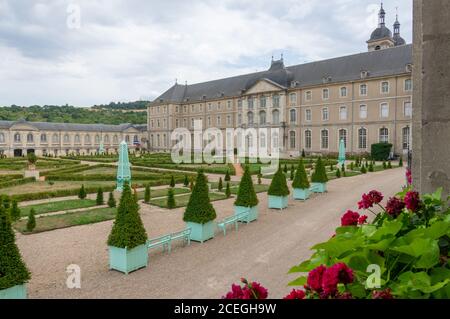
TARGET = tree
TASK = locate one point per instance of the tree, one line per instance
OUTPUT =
(246, 196)
(220, 186)
(111, 200)
(171, 204)
(301, 179)
(292, 173)
(147, 194)
(199, 209)
(14, 211)
(172, 181)
(279, 187)
(186, 181)
(227, 176)
(128, 230)
(13, 271)
(228, 190)
(319, 175)
(99, 200)
(338, 173)
(82, 192)
(31, 223)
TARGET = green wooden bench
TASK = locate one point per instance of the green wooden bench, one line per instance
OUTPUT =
(235, 219)
(166, 240)
(163, 241)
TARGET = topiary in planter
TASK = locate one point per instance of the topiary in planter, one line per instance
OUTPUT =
(246, 196)
(99, 200)
(147, 194)
(128, 230)
(199, 209)
(171, 204)
(301, 179)
(82, 192)
(111, 200)
(31, 223)
(319, 175)
(279, 186)
(13, 271)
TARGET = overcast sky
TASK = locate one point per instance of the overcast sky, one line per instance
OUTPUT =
(85, 52)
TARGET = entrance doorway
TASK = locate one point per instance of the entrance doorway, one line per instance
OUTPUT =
(18, 153)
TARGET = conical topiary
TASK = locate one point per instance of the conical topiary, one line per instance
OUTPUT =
(279, 186)
(259, 179)
(147, 194)
(191, 184)
(186, 181)
(389, 166)
(171, 204)
(319, 175)
(246, 196)
(303, 153)
(128, 230)
(227, 176)
(99, 200)
(338, 173)
(82, 192)
(199, 209)
(111, 200)
(228, 191)
(301, 179)
(363, 170)
(14, 211)
(371, 169)
(172, 181)
(292, 173)
(13, 271)
(285, 168)
(220, 185)
(31, 222)
(400, 162)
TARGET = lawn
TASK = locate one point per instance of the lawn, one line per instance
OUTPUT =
(154, 193)
(58, 206)
(38, 187)
(182, 200)
(46, 223)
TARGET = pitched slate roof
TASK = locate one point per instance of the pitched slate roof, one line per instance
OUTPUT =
(48, 126)
(385, 62)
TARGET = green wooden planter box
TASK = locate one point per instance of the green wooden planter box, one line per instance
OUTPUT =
(16, 292)
(278, 202)
(128, 260)
(201, 232)
(319, 187)
(252, 216)
(301, 194)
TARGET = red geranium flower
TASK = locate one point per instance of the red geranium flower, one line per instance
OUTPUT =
(350, 218)
(412, 201)
(383, 294)
(394, 207)
(251, 290)
(337, 274)
(314, 281)
(368, 200)
(409, 176)
(362, 220)
(376, 196)
(295, 294)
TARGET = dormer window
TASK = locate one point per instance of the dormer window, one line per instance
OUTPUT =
(409, 67)
(364, 74)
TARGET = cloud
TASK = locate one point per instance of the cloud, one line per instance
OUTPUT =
(126, 50)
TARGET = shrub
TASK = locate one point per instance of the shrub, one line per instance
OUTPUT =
(147, 194)
(389, 165)
(228, 190)
(338, 173)
(12, 268)
(99, 200)
(14, 211)
(319, 175)
(5, 201)
(363, 170)
(292, 173)
(31, 223)
(128, 230)
(343, 167)
(199, 209)
(172, 181)
(380, 151)
(279, 187)
(191, 184)
(246, 196)
(301, 179)
(259, 179)
(227, 176)
(111, 200)
(82, 193)
(220, 186)
(186, 181)
(371, 168)
(32, 158)
(303, 153)
(400, 162)
(384, 165)
(171, 204)
(351, 166)
(285, 170)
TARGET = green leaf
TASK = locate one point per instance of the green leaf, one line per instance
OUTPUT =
(300, 281)
(337, 246)
(357, 290)
(389, 228)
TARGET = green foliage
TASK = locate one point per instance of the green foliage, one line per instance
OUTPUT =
(338, 173)
(319, 175)
(32, 158)
(246, 196)
(82, 192)
(186, 181)
(279, 186)
(389, 165)
(31, 222)
(228, 190)
(343, 167)
(227, 176)
(303, 153)
(111, 200)
(371, 169)
(220, 186)
(384, 165)
(259, 179)
(13, 270)
(411, 250)
(147, 194)
(363, 170)
(301, 179)
(400, 162)
(99, 200)
(172, 181)
(128, 230)
(351, 166)
(171, 204)
(14, 211)
(380, 151)
(5, 201)
(191, 184)
(199, 209)
(285, 170)
(292, 173)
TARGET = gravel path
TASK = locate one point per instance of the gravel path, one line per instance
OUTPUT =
(262, 251)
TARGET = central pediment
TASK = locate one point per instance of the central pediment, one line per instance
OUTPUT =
(264, 86)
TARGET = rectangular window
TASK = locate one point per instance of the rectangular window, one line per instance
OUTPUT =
(250, 103)
(229, 104)
(293, 99)
(219, 106)
(219, 122)
(362, 138)
(343, 113)
(240, 104)
(325, 116)
(363, 111)
(228, 119)
(363, 89)
(343, 92)
(262, 101)
(308, 115)
(276, 100)
(384, 110)
(385, 87)
(324, 139)
(408, 85)
(384, 135)
(406, 137)
(407, 109)
(308, 95)
(308, 139)
(325, 94)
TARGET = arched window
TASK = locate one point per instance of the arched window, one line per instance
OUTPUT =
(384, 135)
(276, 117)
(77, 139)
(275, 140)
(30, 138)
(55, 138)
(43, 138)
(262, 139)
(106, 138)
(87, 139)
(362, 138)
(127, 138)
(262, 117)
(324, 139)
(276, 100)
(406, 133)
(97, 139)
(17, 138)
(136, 139)
(2, 138)
(115, 139)
(343, 136)
(239, 119)
(292, 139)
(343, 91)
(250, 118)
(308, 139)
(66, 138)
(293, 116)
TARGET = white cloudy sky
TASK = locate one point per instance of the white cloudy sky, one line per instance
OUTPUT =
(135, 49)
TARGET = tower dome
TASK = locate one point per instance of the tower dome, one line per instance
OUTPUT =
(381, 37)
(398, 40)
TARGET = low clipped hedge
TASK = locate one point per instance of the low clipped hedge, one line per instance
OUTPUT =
(16, 182)
(65, 170)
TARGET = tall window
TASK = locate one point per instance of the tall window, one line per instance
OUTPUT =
(106, 138)
(384, 135)
(229, 104)
(262, 117)
(308, 95)
(87, 139)
(343, 91)
(293, 116)
(192, 122)
(308, 139)
(2, 138)
(407, 109)
(275, 117)
(228, 119)
(385, 87)
(77, 139)
(308, 115)
(343, 136)
(43, 138)
(240, 104)
(127, 138)
(239, 119)
(135, 139)
(363, 89)
(292, 139)
(66, 138)
(324, 139)
(116, 139)
(363, 111)
(262, 101)
(29, 138)
(276, 100)
(325, 114)
(343, 113)
(293, 99)
(408, 85)
(250, 103)
(406, 133)
(250, 118)
(97, 139)
(384, 110)
(362, 138)
(219, 120)
(325, 94)
(55, 138)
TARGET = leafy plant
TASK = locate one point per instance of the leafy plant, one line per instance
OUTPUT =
(338, 173)
(32, 158)
(14, 211)
(228, 190)
(199, 209)
(99, 200)
(31, 222)
(171, 204)
(186, 181)
(301, 179)
(320, 174)
(147, 194)
(227, 176)
(246, 196)
(172, 181)
(279, 186)
(380, 151)
(82, 192)
(220, 185)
